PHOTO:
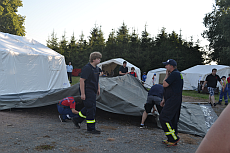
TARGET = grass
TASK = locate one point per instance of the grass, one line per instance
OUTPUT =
(75, 80)
(195, 94)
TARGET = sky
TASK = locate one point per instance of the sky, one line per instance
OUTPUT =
(78, 16)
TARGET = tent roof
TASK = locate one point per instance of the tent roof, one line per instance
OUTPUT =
(157, 70)
(118, 61)
(23, 45)
(204, 69)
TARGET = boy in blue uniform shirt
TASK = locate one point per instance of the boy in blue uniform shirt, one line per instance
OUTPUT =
(89, 88)
(144, 77)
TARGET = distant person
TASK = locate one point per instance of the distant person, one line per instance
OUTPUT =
(69, 71)
(211, 81)
(123, 70)
(155, 96)
(228, 79)
(132, 72)
(66, 107)
(171, 103)
(217, 138)
(154, 78)
(224, 91)
(144, 77)
(89, 88)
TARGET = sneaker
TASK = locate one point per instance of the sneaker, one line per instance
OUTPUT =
(142, 127)
(214, 104)
(68, 117)
(169, 144)
(226, 103)
(61, 119)
(94, 131)
(76, 124)
(164, 141)
(219, 103)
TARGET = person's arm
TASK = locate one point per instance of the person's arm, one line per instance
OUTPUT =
(217, 138)
(74, 111)
(224, 86)
(122, 73)
(82, 88)
(165, 84)
(162, 102)
(98, 90)
(205, 82)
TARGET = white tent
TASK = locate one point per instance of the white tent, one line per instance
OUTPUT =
(29, 69)
(199, 73)
(110, 65)
(160, 75)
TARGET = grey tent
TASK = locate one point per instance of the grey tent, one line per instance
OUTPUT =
(126, 95)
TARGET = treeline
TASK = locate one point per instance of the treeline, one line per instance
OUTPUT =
(143, 51)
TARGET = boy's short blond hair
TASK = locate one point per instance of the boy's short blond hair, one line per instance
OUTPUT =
(94, 55)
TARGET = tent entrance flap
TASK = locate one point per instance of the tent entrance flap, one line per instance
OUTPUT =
(109, 67)
(161, 78)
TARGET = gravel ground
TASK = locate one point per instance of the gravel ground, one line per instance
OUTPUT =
(39, 130)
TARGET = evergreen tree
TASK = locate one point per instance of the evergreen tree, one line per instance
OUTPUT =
(10, 21)
(110, 50)
(52, 42)
(96, 40)
(123, 39)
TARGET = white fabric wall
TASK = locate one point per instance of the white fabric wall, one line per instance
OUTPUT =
(28, 66)
(149, 81)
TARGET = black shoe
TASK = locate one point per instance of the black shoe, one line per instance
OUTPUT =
(142, 127)
(61, 119)
(214, 104)
(94, 132)
(219, 103)
(226, 103)
(76, 124)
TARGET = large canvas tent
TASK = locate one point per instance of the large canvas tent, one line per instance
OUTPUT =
(160, 75)
(199, 73)
(28, 70)
(110, 65)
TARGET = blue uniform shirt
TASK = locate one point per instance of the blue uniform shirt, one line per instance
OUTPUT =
(144, 77)
(91, 74)
(156, 90)
(175, 81)
(69, 68)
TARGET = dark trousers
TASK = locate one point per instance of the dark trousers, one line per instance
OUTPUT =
(64, 111)
(69, 76)
(88, 112)
(169, 116)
